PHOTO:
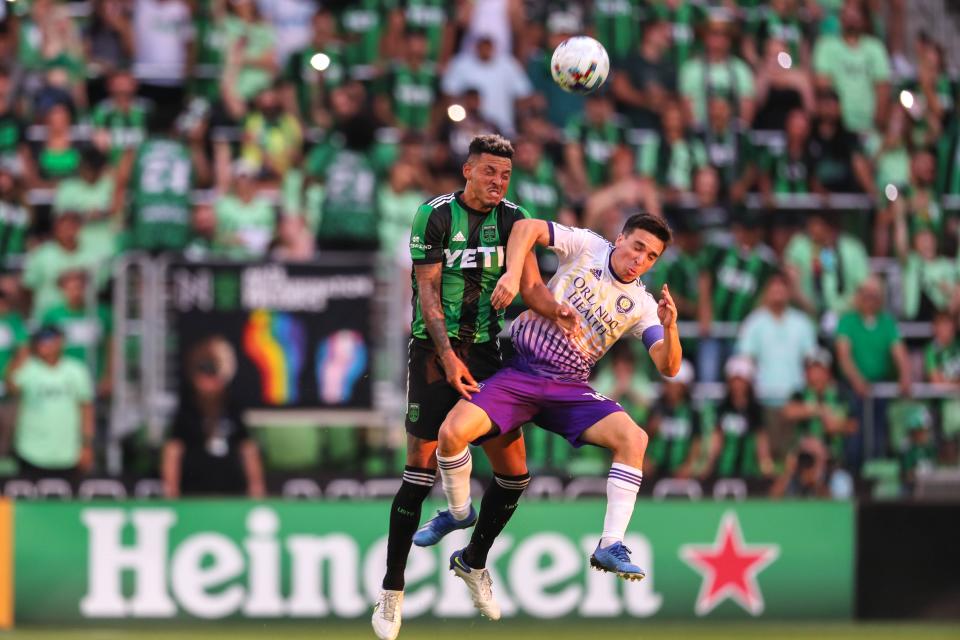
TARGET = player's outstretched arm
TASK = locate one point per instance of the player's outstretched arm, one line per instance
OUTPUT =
(429, 281)
(667, 353)
(523, 236)
(538, 297)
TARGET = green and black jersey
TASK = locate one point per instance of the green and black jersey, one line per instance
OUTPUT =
(679, 428)
(813, 427)
(738, 278)
(471, 246)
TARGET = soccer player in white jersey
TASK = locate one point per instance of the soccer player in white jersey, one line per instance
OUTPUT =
(547, 380)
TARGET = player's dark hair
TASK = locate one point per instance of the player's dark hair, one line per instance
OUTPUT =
(651, 223)
(493, 144)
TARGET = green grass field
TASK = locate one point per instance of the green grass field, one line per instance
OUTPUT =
(478, 630)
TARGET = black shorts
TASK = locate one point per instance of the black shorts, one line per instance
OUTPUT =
(429, 397)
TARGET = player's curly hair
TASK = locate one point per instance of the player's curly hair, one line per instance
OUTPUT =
(649, 222)
(493, 144)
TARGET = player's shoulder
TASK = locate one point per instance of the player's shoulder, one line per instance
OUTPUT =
(441, 203)
(514, 210)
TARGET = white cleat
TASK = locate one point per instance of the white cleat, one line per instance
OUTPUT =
(480, 584)
(386, 614)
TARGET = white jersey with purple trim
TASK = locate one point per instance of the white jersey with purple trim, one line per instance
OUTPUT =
(608, 308)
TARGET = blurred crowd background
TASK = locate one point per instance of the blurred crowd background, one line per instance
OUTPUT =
(806, 153)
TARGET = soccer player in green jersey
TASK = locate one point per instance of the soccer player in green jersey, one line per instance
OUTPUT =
(458, 245)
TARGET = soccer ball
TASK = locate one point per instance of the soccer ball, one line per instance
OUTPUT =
(580, 64)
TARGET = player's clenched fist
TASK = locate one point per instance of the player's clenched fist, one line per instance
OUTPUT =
(666, 308)
(506, 290)
(568, 320)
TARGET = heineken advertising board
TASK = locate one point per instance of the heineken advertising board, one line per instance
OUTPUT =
(288, 335)
(106, 561)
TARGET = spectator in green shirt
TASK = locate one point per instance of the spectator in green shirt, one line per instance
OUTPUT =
(45, 262)
(13, 346)
(728, 150)
(246, 221)
(717, 72)
(120, 121)
(675, 427)
(408, 91)
(941, 358)
(826, 265)
(86, 330)
(55, 420)
(313, 72)
(673, 156)
(856, 65)
(821, 411)
(739, 447)
(91, 193)
(15, 217)
(785, 168)
(643, 80)
(251, 49)
(941, 365)
(869, 350)
(920, 452)
(591, 140)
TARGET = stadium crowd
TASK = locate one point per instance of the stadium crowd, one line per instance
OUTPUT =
(806, 155)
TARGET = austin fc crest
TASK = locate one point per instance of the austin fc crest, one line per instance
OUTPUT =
(488, 233)
(413, 411)
(624, 304)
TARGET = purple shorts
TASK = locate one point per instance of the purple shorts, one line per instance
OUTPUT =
(511, 398)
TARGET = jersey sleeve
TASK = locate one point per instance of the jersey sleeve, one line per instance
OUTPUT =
(426, 236)
(569, 242)
(648, 328)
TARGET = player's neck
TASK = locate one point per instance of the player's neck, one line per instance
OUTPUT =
(474, 203)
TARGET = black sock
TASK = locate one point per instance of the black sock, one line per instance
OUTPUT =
(497, 507)
(404, 520)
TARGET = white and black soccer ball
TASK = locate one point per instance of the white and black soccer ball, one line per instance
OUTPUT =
(580, 64)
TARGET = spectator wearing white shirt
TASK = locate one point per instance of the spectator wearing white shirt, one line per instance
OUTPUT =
(163, 49)
(498, 77)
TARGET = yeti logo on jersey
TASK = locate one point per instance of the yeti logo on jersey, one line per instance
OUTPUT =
(596, 273)
(488, 233)
(413, 412)
(624, 304)
(484, 257)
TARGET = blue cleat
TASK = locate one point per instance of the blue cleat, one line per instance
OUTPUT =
(440, 525)
(616, 559)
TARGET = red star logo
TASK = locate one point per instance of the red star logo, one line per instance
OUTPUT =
(729, 568)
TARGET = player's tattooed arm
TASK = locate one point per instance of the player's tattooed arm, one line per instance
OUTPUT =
(428, 282)
(429, 277)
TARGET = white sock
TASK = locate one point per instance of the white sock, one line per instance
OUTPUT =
(623, 483)
(455, 474)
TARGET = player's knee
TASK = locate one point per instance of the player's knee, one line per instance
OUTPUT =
(452, 433)
(634, 444)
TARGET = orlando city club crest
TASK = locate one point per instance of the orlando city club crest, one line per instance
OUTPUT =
(488, 233)
(624, 304)
(413, 412)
